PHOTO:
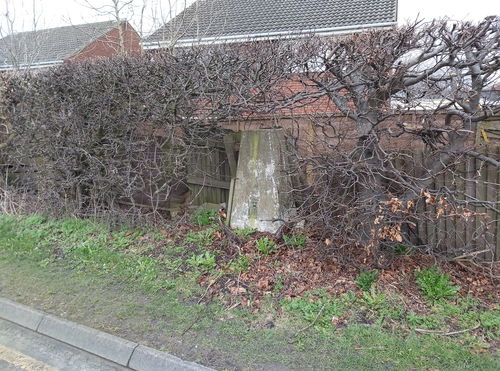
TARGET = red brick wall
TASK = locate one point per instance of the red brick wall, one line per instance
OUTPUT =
(320, 104)
(109, 45)
(319, 132)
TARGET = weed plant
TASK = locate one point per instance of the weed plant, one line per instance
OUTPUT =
(201, 238)
(204, 261)
(206, 218)
(240, 264)
(317, 307)
(435, 285)
(245, 232)
(295, 240)
(366, 279)
(266, 246)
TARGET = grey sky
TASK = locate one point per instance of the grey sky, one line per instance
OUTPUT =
(52, 13)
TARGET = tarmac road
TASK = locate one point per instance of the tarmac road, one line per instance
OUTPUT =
(23, 349)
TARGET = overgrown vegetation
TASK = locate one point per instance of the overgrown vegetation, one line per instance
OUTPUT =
(194, 266)
(379, 167)
(122, 131)
(381, 181)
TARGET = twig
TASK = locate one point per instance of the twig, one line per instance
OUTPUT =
(309, 325)
(208, 287)
(233, 306)
(233, 237)
(443, 333)
(191, 325)
(471, 254)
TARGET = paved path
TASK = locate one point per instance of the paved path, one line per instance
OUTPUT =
(23, 349)
(33, 340)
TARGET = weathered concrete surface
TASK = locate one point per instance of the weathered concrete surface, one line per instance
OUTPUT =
(20, 314)
(261, 193)
(68, 346)
(145, 359)
(96, 342)
(24, 349)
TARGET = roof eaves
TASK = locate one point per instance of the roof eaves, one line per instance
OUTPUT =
(6, 67)
(266, 36)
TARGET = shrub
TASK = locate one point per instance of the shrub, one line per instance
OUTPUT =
(366, 279)
(435, 285)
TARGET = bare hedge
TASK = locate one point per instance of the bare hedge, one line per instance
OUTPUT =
(87, 135)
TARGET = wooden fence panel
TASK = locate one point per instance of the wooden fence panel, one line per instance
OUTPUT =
(461, 224)
(470, 165)
(497, 217)
(491, 191)
(471, 181)
(209, 175)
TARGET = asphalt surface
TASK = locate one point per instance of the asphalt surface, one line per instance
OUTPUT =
(23, 349)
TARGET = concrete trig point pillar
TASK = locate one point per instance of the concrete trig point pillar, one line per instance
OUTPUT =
(261, 191)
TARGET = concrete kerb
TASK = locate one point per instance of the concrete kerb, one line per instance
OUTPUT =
(93, 341)
(20, 314)
(144, 358)
(121, 351)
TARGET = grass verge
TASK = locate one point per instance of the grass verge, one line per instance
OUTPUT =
(141, 285)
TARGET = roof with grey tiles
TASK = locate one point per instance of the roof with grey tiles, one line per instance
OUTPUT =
(49, 45)
(227, 19)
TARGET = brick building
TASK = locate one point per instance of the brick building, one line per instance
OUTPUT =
(237, 22)
(49, 47)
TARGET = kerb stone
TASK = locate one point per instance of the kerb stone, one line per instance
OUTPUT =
(20, 314)
(93, 341)
(149, 359)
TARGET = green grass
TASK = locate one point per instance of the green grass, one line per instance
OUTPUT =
(317, 308)
(81, 245)
(118, 281)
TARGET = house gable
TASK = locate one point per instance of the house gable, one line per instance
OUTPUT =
(44, 48)
(109, 44)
